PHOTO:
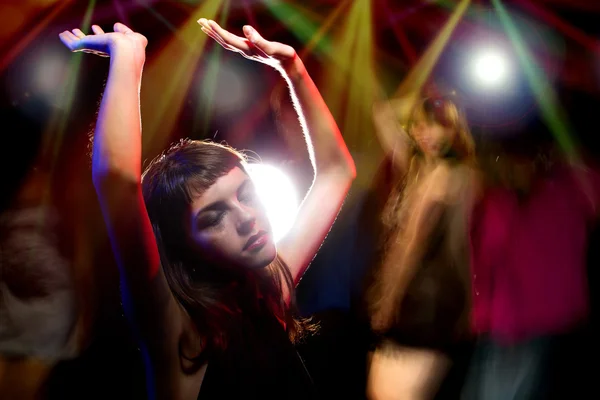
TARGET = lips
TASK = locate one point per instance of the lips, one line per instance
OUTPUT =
(256, 241)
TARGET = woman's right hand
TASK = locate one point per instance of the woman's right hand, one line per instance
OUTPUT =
(122, 40)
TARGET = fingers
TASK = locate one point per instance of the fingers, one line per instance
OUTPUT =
(260, 44)
(78, 33)
(266, 47)
(218, 39)
(252, 46)
(122, 28)
(99, 42)
(68, 36)
(205, 27)
(252, 35)
(93, 44)
(232, 42)
(97, 30)
(118, 27)
(69, 40)
(227, 37)
(213, 35)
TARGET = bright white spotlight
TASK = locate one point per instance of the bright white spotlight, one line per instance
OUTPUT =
(278, 195)
(491, 68)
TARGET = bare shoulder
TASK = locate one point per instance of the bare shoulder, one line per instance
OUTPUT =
(451, 182)
(191, 384)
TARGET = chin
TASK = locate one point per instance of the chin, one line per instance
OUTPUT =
(265, 257)
(270, 253)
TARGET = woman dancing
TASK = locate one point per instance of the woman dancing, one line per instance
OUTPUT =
(209, 296)
(419, 300)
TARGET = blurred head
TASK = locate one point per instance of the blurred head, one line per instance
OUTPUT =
(204, 209)
(440, 129)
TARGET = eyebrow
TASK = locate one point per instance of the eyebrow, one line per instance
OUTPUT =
(217, 205)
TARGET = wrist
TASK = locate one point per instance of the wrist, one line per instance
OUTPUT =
(294, 68)
(126, 53)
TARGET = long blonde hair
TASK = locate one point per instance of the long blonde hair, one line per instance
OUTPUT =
(460, 150)
(442, 110)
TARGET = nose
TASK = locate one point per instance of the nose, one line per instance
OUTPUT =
(247, 221)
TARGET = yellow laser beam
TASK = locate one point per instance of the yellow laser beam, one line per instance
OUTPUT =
(168, 76)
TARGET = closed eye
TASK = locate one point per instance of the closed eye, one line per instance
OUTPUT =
(212, 215)
(211, 220)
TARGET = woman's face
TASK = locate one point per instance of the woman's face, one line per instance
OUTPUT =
(433, 139)
(228, 225)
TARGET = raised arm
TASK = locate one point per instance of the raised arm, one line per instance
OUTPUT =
(334, 167)
(116, 170)
(392, 137)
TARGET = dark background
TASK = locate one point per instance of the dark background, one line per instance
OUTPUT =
(563, 37)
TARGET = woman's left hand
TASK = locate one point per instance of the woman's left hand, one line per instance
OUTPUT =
(253, 46)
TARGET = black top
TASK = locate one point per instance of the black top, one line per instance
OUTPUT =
(260, 362)
(434, 310)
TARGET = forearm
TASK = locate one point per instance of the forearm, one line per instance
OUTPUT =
(406, 255)
(326, 147)
(116, 170)
(392, 137)
(400, 271)
(397, 272)
(117, 139)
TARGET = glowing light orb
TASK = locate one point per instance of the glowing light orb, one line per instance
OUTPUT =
(230, 92)
(50, 73)
(278, 195)
(491, 68)
(46, 77)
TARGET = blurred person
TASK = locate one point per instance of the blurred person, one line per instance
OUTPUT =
(419, 299)
(210, 298)
(529, 237)
(38, 312)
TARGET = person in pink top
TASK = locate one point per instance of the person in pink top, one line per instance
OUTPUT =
(529, 236)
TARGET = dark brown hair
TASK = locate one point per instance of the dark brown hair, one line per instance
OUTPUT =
(214, 296)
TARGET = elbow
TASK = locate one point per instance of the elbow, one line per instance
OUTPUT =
(345, 163)
(338, 178)
(341, 167)
(110, 171)
(110, 179)
(351, 169)
(347, 166)
(348, 173)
